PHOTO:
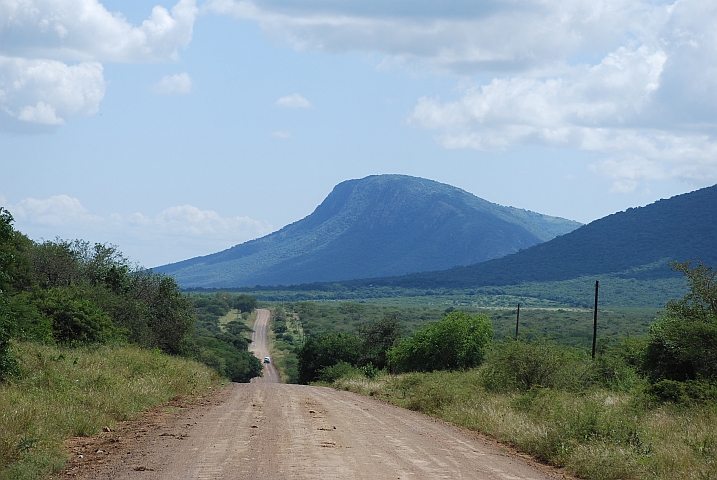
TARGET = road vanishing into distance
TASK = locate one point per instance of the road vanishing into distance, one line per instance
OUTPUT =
(267, 430)
(260, 347)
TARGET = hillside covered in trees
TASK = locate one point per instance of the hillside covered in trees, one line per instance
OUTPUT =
(376, 226)
(637, 243)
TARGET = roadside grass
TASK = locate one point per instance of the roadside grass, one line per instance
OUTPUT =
(594, 433)
(63, 392)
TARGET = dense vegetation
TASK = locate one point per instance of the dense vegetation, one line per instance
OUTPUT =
(223, 345)
(72, 293)
(296, 323)
(615, 292)
(376, 226)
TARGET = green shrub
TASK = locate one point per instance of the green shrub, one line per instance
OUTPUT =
(325, 351)
(519, 365)
(334, 372)
(616, 365)
(457, 342)
(684, 392)
(31, 323)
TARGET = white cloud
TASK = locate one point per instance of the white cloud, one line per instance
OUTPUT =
(57, 210)
(612, 108)
(46, 92)
(558, 111)
(460, 36)
(293, 101)
(50, 54)
(282, 134)
(83, 30)
(189, 230)
(179, 84)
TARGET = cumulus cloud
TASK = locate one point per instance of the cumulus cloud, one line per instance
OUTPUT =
(51, 53)
(190, 230)
(559, 111)
(461, 36)
(614, 108)
(293, 101)
(55, 211)
(179, 84)
(46, 92)
(83, 30)
(188, 220)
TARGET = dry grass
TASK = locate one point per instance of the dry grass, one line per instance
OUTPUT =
(75, 392)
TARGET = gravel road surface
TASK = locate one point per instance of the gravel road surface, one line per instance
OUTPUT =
(266, 430)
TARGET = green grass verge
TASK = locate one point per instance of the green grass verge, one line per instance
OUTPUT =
(62, 392)
(595, 434)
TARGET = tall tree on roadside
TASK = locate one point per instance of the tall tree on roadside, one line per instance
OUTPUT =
(683, 343)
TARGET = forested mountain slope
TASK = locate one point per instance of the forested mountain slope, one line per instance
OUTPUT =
(636, 243)
(376, 226)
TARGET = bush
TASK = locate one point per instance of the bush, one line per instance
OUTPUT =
(334, 372)
(683, 342)
(686, 392)
(75, 320)
(457, 342)
(519, 365)
(325, 351)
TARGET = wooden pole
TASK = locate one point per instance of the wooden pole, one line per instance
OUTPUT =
(597, 284)
(517, 321)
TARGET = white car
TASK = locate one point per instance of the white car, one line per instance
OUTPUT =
(267, 360)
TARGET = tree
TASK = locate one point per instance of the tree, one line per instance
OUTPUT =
(74, 319)
(170, 315)
(376, 338)
(456, 342)
(682, 344)
(326, 351)
(245, 303)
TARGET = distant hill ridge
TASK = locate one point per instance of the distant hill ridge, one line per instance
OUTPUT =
(637, 243)
(381, 225)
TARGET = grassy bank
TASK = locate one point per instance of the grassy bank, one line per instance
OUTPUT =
(63, 392)
(595, 433)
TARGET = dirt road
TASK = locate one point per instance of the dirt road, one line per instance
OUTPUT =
(260, 347)
(267, 430)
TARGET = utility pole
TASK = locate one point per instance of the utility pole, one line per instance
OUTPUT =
(597, 283)
(517, 320)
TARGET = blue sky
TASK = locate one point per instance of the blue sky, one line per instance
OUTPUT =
(180, 129)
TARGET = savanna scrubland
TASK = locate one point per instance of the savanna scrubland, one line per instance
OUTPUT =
(644, 407)
(87, 340)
